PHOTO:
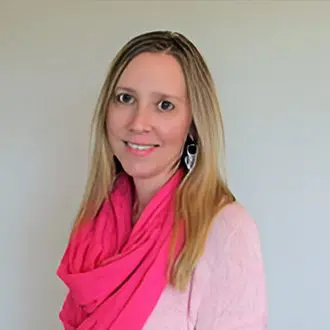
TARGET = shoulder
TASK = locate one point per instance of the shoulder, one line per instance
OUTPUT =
(234, 290)
(230, 275)
(232, 218)
(233, 233)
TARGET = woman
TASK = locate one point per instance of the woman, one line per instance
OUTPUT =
(160, 242)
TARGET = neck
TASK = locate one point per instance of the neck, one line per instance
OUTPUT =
(146, 188)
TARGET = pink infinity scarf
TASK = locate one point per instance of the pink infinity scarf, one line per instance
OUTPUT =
(116, 273)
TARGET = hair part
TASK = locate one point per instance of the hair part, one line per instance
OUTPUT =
(205, 184)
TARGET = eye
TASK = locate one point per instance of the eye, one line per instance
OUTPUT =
(124, 98)
(166, 106)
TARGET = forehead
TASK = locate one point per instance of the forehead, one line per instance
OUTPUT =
(154, 72)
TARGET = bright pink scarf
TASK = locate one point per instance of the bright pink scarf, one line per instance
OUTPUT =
(116, 273)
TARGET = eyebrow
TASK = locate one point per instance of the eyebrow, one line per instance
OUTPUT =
(159, 94)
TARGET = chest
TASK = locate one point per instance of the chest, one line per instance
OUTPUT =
(179, 310)
(171, 312)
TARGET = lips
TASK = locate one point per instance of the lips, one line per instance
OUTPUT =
(140, 146)
(140, 149)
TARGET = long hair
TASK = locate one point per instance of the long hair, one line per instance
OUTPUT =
(204, 190)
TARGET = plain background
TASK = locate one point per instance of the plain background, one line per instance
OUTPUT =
(270, 61)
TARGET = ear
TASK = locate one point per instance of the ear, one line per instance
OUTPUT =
(193, 131)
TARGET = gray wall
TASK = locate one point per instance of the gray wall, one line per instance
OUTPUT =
(270, 60)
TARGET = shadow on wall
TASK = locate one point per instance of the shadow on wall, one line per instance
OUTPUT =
(59, 168)
(44, 246)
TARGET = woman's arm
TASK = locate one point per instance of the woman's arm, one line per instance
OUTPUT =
(236, 296)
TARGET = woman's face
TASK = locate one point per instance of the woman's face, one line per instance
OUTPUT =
(149, 117)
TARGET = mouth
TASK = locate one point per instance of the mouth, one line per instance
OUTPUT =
(140, 147)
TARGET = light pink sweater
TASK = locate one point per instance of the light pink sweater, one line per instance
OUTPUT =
(227, 290)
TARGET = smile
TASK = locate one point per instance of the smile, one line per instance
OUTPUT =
(140, 149)
(140, 146)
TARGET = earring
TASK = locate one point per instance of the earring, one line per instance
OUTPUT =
(191, 155)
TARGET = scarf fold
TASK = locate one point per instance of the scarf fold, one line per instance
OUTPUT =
(116, 273)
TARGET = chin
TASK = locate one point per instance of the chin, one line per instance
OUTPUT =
(141, 172)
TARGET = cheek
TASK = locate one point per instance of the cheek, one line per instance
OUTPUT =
(114, 122)
(112, 130)
(109, 128)
(175, 135)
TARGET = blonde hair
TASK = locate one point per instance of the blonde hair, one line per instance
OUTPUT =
(204, 191)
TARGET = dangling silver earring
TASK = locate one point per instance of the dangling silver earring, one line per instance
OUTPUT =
(191, 155)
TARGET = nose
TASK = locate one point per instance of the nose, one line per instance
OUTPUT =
(140, 120)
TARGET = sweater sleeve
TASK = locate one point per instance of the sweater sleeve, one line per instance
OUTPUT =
(235, 298)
